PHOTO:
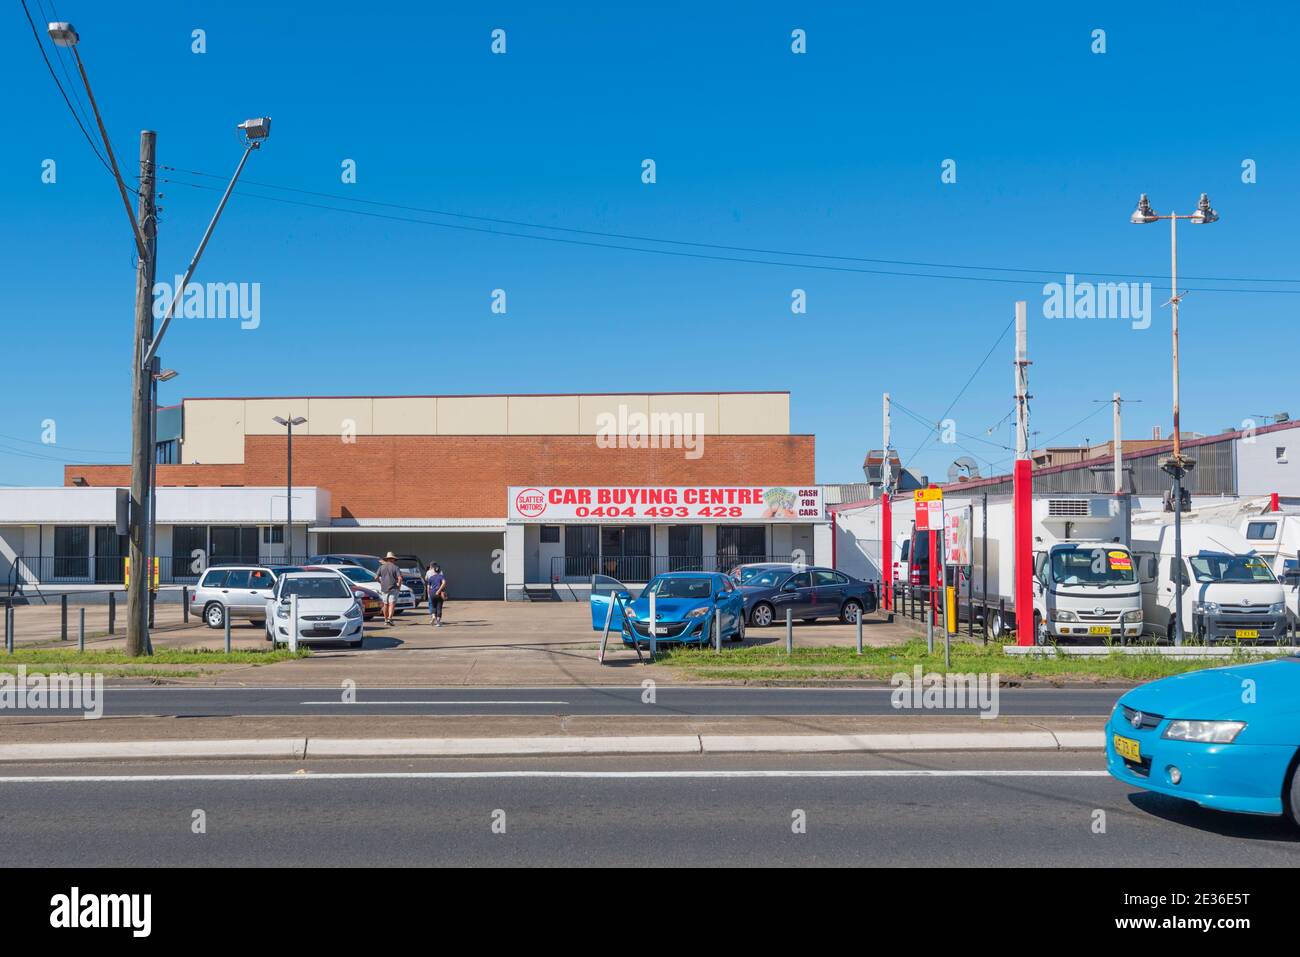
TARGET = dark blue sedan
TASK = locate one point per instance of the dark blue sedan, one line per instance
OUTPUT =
(809, 593)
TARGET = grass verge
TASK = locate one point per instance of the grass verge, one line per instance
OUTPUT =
(771, 663)
(115, 663)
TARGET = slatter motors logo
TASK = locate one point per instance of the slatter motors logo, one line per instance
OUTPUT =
(530, 502)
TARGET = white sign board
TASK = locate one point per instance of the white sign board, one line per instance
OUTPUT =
(676, 503)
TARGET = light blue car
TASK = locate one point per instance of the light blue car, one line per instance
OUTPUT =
(1225, 738)
(685, 603)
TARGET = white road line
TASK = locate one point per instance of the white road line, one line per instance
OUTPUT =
(471, 775)
(355, 703)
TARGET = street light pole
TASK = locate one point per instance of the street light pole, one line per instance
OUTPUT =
(289, 422)
(1177, 466)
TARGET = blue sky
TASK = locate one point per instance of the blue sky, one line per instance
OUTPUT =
(837, 152)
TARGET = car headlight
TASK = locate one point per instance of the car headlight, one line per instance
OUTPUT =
(1276, 608)
(629, 613)
(1205, 732)
(282, 612)
(698, 613)
(354, 611)
(1060, 615)
(1133, 615)
(1206, 608)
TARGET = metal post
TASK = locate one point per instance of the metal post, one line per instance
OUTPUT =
(654, 645)
(288, 499)
(185, 604)
(112, 613)
(609, 620)
(717, 629)
(859, 633)
(63, 617)
(9, 629)
(81, 630)
(293, 623)
(789, 630)
(225, 617)
(984, 555)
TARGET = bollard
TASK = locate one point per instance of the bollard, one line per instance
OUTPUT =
(9, 629)
(81, 630)
(654, 644)
(185, 604)
(63, 617)
(929, 623)
(789, 630)
(859, 633)
(112, 613)
(225, 617)
(293, 623)
(152, 596)
(717, 629)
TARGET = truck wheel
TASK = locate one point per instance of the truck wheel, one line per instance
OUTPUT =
(1040, 631)
(761, 616)
(997, 626)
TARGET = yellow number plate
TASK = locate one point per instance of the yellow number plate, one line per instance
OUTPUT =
(1127, 748)
(1099, 630)
(1247, 632)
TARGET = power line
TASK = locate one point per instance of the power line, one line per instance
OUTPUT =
(680, 242)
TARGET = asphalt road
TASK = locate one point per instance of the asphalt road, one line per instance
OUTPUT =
(912, 811)
(575, 700)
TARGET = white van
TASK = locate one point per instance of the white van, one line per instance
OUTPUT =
(1229, 591)
(1276, 537)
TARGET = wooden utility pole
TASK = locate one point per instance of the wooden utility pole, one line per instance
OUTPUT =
(137, 595)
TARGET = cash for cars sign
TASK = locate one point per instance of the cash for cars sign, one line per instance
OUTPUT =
(771, 503)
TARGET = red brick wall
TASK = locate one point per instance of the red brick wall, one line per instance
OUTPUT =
(409, 476)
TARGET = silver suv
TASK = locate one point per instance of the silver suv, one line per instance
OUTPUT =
(238, 590)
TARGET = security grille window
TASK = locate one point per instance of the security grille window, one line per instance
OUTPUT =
(685, 548)
(110, 549)
(186, 541)
(550, 534)
(625, 552)
(1280, 454)
(234, 543)
(738, 544)
(273, 535)
(72, 551)
(581, 550)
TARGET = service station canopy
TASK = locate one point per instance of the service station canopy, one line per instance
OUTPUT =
(676, 503)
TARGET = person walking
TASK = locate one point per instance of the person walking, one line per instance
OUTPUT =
(437, 587)
(390, 583)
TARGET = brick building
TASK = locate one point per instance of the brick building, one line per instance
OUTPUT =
(508, 492)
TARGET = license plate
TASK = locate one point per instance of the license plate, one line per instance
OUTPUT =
(1099, 630)
(661, 631)
(1128, 748)
(1247, 632)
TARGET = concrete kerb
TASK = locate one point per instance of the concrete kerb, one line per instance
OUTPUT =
(300, 748)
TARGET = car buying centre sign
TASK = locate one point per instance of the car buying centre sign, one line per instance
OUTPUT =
(929, 508)
(756, 503)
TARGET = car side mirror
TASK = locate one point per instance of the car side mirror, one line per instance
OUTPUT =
(720, 596)
(622, 596)
(788, 587)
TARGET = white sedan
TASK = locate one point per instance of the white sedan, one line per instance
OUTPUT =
(327, 609)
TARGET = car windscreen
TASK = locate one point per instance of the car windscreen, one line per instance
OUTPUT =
(322, 587)
(1222, 567)
(767, 578)
(358, 574)
(680, 588)
(1092, 566)
(364, 561)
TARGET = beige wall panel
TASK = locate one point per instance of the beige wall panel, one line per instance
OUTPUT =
(764, 413)
(472, 415)
(689, 405)
(214, 432)
(260, 413)
(543, 414)
(405, 416)
(333, 416)
(591, 407)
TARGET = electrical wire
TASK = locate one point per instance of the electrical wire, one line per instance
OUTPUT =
(703, 245)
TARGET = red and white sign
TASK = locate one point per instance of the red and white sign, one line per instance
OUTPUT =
(676, 503)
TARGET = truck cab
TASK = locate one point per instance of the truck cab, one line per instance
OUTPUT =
(1086, 589)
(1275, 537)
(1228, 590)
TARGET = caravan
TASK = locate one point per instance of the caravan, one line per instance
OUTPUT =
(1229, 591)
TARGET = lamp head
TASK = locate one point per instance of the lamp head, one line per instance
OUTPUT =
(1204, 212)
(255, 130)
(63, 34)
(1144, 213)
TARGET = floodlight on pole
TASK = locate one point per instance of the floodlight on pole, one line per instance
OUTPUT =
(63, 34)
(1176, 465)
(288, 423)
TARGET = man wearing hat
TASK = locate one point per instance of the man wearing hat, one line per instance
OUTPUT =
(390, 583)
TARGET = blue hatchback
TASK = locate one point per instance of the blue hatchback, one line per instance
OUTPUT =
(685, 606)
(1225, 738)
